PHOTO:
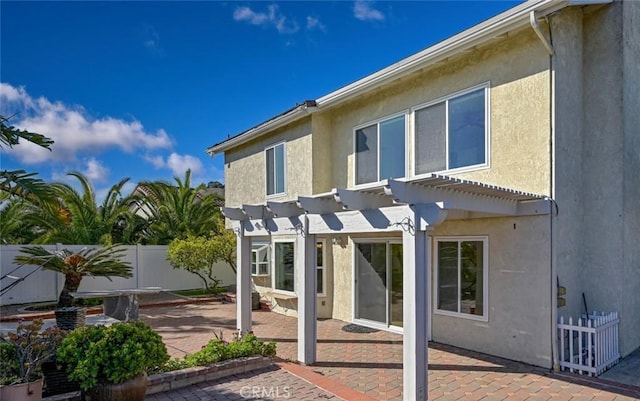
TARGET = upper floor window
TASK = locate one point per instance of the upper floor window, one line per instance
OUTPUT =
(380, 150)
(275, 169)
(452, 133)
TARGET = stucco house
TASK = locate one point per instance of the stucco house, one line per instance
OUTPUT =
(449, 195)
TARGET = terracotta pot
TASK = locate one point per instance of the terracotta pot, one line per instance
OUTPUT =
(131, 390)
(22, 392)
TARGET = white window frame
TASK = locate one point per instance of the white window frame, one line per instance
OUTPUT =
(273, 268)
(406, 114)
(485, 277)
(284, 173)
(255, 249)
(487, 131)
(322, 267)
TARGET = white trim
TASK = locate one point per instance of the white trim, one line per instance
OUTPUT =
(324, 267)
(485, 277)
(275, 290)
(487, 131)
(256, 247)
(284, 173)
(405, 113)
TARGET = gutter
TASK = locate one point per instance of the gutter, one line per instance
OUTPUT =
(517, 17)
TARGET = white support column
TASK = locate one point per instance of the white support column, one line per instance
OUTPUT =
(243, 282)
(416, 294)
(305, 267)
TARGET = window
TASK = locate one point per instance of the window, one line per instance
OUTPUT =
(260, 259)
(380, 150)
(320, 267)
(275, 169)
(284, 271)
(462, 276)
(452, 133)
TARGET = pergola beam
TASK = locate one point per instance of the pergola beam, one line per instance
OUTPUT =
(284, 209)
(313, 205)
(257, 211)
(357, 200)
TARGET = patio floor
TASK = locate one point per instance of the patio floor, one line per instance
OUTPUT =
(350, 364)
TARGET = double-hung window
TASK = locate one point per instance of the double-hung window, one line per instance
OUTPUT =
(283, 266)
(260, 259)
(380, 150)
(462, 276)
(275, 174)
(452, 133)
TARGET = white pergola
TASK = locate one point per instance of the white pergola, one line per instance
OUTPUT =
(410, 206)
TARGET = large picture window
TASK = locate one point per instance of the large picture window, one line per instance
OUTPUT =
(275, 174)
(452, 133)
(462, 276)
(380, 150)
(284, 270)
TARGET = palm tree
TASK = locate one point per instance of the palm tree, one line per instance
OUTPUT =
(100, 262)
(177, 211)
(77, 218)
(15, 227)
(20, 182)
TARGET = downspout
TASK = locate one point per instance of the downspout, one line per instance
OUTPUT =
(547, 43)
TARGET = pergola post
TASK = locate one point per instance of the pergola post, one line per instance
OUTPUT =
(415, 313)
(305, 267)
(243, 282)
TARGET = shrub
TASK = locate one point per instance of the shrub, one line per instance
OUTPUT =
(111, 354)
(218, 350)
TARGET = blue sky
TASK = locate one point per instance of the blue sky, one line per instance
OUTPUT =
(141, 89)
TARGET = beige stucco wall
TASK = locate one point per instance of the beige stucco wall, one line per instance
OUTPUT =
(517, 70)
(245, 166)
(519, 325)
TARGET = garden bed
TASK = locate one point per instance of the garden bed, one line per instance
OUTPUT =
(168, 381)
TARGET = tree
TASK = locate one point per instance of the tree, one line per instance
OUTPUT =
(198, 256)
(100, 262)
(19, 182)
(77, 218)
(177, 211)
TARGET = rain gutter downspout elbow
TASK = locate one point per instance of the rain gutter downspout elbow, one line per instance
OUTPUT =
(538, 30)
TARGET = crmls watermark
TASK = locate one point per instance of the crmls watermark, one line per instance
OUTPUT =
(255, 392)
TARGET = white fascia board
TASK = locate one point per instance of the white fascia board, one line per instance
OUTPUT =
(512, 19)
(270, 125)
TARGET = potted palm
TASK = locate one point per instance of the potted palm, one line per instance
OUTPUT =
(22, 354)
(110, 362)
(97, 262)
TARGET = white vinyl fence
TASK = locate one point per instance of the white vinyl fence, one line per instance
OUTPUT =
(591, 345)
(150, 269)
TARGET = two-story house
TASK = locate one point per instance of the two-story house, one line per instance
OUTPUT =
(448, 195)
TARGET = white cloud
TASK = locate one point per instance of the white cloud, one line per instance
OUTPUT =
(151, 40)
(363, 11)
(314, 23)
(95, 170)
(73, 131)
(178, 164)
(156, 161)
(272, 17)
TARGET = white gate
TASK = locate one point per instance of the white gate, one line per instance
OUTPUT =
(591, 345)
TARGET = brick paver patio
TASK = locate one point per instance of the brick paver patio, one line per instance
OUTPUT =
(368, 363)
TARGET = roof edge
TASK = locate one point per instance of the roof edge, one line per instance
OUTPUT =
(508, 20)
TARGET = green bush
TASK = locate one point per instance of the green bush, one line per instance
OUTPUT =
(111, 354)
(218, 350)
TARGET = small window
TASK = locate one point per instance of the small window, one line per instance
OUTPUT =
(462, 276)
(380, 150)
(284, 270)
(452, 133)
(320, 267)
(275, 169)
(260, 259)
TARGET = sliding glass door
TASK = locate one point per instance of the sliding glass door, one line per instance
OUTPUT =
(378, 275)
